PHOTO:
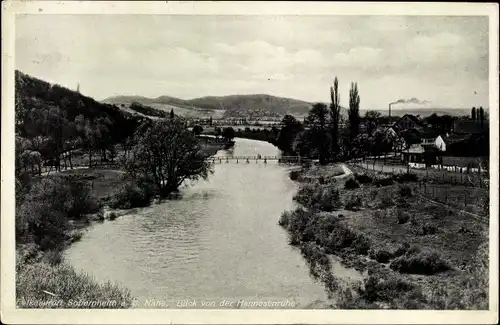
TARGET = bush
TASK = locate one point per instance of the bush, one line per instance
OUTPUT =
(419, 263)
(390, 289)
(329, 199)
(353, 203)
(405, 177)
(62, 280)
(351, 184)
(43, 217)
(363, 178)
(383, 181)
(385, 200)
(405, 191)
(361, 244)
(295, 174)
(131, 195)
(112, 216)
(307, 194)
(402, 216)
(425, 229)
(381, 255)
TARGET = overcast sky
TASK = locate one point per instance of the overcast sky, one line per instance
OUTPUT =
(439, 59)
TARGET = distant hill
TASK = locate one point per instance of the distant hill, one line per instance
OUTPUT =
(248, 106)
(34, 95)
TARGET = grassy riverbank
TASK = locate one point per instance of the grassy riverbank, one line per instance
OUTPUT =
(414, 253)
(51, 214)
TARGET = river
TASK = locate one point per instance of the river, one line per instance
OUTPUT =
(221, 241)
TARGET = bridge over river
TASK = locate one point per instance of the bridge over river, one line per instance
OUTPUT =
(257, 159)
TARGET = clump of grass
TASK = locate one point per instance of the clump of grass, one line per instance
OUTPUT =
(34, 280)
(427, 263)
(351, 183)
(353, 203)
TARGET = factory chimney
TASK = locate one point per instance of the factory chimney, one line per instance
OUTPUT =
(390, 109)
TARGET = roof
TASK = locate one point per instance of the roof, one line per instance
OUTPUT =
(411, 117)
(415, 148)
(454, 138)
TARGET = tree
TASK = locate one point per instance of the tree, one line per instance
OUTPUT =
(353, 111)
(210, 121)
(286, 136)
(318, 122)
(371, 118)
(197, 129)
(228, 133)
(334, 116)
(473, 113)
(172, 113)
(165, 155)
(481, 116)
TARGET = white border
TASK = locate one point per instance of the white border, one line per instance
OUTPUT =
(188, 316)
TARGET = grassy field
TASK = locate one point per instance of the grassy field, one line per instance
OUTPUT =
(415, 253)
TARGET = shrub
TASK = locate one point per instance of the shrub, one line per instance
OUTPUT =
(43, 217)
(383, 181)
(351, 183)
(294, 175)
(391, 289)
(361, 244)
(353, 203)
(112, 216)
(405, 177)
(402, 216)
(131, 195)
(381, 255)
(62, 280)
(420, 263)
(385, 200)
(307, 194)
(425, 229)
(100, 216)
(363, 178)
(405, 191)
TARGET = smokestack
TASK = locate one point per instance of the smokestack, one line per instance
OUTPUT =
(390, 109)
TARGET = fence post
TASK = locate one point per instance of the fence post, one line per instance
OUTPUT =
(465, 199)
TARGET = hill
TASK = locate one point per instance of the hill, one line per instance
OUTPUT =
(35, 97)
(247, 106)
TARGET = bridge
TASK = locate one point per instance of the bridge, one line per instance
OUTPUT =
(257, 159)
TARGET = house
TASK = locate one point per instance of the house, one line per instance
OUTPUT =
(407, 122)
(449, 141)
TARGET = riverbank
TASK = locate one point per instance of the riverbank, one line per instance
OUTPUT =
(414, 253)
(50, 219)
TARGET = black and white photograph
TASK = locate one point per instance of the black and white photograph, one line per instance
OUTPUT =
(252, 162)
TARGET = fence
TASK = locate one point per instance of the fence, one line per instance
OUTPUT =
(440, 176)
(472, 200)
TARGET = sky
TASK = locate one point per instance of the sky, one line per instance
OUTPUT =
(443, 60)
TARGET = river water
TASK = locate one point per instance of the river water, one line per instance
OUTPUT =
(221, 241)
